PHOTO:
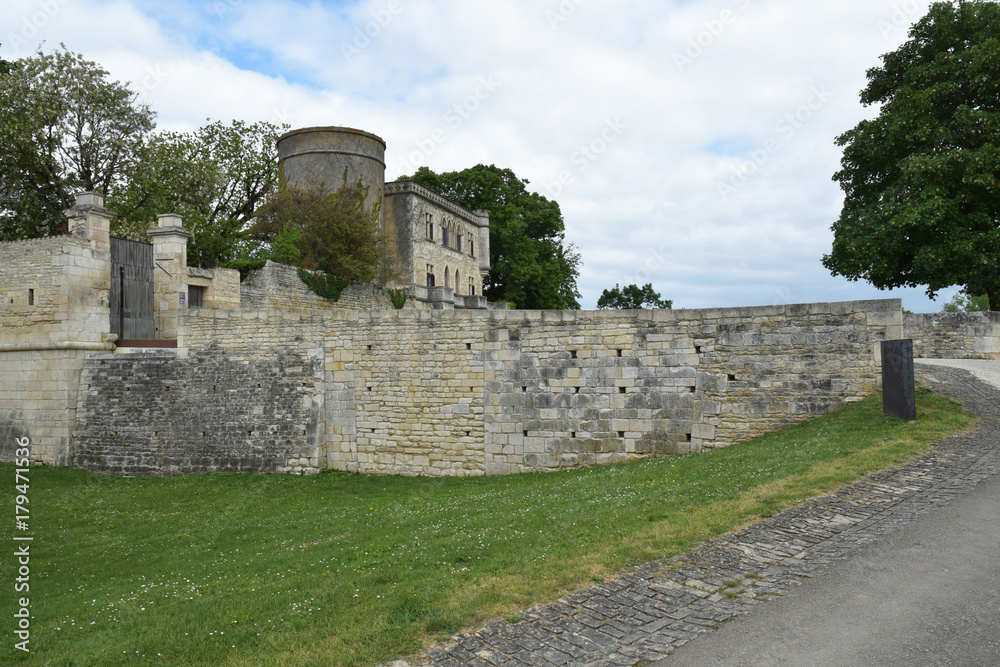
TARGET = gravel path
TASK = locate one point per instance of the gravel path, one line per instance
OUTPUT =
(987, 371)
(646, 613)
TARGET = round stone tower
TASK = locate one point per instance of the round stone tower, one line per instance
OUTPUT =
(315, 155)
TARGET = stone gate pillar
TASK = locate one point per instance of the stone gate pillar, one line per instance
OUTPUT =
(170, 295)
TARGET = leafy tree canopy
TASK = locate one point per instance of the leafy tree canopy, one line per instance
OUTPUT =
(530, 265)
(632, 297)
(5, 66)
(65, 128)
(963, 303)
(317, 229)
(922, 202)
(216, 178)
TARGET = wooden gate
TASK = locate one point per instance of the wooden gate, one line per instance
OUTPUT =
(132, 289)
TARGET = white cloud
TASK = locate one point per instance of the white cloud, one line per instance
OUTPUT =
(562, 70)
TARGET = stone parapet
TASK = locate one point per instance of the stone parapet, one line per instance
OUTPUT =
(954, 335)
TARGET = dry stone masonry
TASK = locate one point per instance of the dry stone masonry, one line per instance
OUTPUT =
(954, 335)
(448, 393)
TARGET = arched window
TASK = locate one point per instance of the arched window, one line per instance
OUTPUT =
(458, 283)
(447, 277)
(472, 287)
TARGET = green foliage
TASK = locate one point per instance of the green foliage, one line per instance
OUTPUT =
(215, 178)
(285, 246)
(342, 569)
(632, 297)
(922, 202)
(65, 128)
(5, 66)
(530, 266)
(244, 266)
(963, 303)
(398, 298)
(331, 231)
(324, 285)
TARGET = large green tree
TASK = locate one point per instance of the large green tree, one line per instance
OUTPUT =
(922, 179)
(215, 177)
(530, 264)
(632, 297)
(323, 230)
(65, 127)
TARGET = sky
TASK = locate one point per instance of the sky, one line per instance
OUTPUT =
(689, 143)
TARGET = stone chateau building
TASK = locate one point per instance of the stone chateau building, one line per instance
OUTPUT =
(442, 249)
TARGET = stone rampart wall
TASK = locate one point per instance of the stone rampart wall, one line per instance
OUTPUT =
(954, 335)
(472, 392)
(219, 409)
(53, 313)
(38, 395)
(53, 289)
(278, 287)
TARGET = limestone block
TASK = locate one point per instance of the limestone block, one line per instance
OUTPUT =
(703, 432)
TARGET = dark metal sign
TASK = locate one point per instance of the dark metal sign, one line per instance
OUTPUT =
(132, 289)
(899, 396)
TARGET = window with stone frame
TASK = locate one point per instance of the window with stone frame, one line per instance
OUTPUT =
(472, 287)
(196, 296)
(430, 275)
(429, 226)
(458, 241)
(472, 248)
(445, 233)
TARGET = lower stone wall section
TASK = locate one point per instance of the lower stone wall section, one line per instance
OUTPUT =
(38, 397)
(954, 335)
(594, 388)
(496, 392)
(216, 411)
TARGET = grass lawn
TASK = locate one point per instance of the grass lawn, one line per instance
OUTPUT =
(342, 569)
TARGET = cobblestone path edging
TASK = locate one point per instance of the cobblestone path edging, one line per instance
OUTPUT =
(646, 613)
